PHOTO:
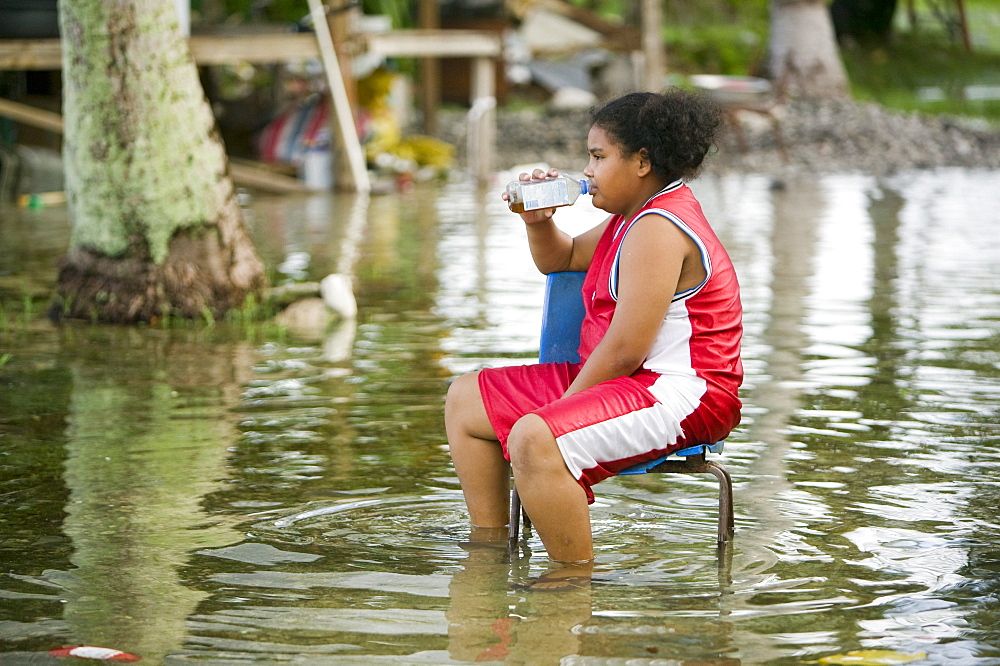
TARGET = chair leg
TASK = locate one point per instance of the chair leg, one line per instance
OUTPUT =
(514, 526)
(517, 514)
(726, 520)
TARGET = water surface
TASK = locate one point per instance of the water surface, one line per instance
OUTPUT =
(228, 494)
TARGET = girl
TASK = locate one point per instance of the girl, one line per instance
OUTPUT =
(659, 344)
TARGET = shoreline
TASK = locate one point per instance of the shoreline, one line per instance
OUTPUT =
(819, 136)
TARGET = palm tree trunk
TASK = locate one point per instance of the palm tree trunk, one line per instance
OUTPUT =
(157, 229)
(803, 50)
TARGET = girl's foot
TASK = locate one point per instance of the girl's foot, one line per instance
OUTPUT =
(570, 577)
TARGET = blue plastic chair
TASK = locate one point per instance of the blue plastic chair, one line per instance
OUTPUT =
(561, 318)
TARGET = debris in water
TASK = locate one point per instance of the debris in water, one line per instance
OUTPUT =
(872, 657)
(92, 652)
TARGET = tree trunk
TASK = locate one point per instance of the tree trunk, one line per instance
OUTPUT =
(803, 51)
(157, 229)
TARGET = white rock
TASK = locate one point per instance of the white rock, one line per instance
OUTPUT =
(337, 290)
(572, 98)
(307, 318)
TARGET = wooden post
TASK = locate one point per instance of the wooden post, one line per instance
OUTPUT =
(482, 119)
(963, 25)
(341, 103)
(430, 74)
(652, 44)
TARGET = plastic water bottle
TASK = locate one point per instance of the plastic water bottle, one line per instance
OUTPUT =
(545, 193)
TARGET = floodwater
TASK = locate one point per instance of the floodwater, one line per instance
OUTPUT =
(231, 494)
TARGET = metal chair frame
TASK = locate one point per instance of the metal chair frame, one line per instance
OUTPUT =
(562, 314)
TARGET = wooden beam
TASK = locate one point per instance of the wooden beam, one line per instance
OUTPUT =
(29, 115)
(266, 48)
(46, 54)
(434, 43)
(29, 54)
(342, 112)
(262, 178)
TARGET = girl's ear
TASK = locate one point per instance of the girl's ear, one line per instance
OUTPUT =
(645, 166)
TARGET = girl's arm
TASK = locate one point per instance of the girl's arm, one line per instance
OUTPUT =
(551, 248)
(657, 260)
(554, 250)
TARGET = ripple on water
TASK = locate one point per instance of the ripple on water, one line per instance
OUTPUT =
(385, 527)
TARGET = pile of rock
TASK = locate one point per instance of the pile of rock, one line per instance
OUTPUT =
(822, 136)
(866, 138)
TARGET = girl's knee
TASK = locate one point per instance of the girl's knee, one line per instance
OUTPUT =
(464, 411)
(531, 443)
(462, 390)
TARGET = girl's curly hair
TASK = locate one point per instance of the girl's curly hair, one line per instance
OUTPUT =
(677, 128)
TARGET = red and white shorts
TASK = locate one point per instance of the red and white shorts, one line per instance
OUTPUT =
(613, 425)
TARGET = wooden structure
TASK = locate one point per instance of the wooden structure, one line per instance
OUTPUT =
(940, 9)
(482, 47)
(251, 175)
(654, 69)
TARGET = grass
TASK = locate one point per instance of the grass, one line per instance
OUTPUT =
(253, 321)
(925, 67)
(924, 71)
(16, 315)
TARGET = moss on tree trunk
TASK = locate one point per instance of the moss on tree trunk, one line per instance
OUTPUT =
(157, 228)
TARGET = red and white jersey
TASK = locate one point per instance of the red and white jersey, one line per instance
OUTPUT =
(700, 335)
(685, 392)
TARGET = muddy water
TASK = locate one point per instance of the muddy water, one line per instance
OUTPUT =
(233, 494)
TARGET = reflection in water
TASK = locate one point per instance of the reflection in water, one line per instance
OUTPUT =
(194, 498)
(143, 447)
(775, 505)
(793, 240)
(885, 393)
(487, 621)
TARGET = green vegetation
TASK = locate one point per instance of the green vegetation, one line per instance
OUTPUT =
(925, 67)
(16, 315)
(716, 37)
(253, 321)
(922, 73)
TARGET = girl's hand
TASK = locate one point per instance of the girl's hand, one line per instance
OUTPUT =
(540, 214)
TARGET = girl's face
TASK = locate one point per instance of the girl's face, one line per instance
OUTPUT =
(615, 176)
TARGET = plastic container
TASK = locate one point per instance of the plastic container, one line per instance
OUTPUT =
(545, 193)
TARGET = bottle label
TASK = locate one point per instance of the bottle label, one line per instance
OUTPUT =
(546, 194)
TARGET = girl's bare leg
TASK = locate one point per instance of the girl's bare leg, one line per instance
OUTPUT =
(555, 502)
(479, 462)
